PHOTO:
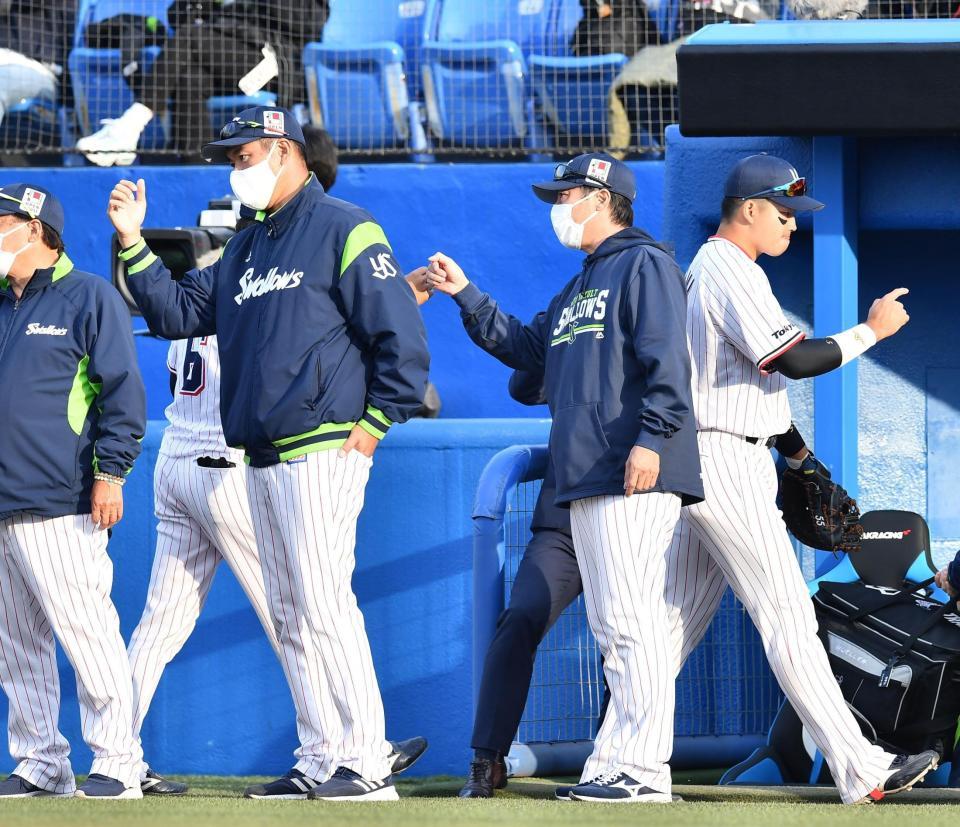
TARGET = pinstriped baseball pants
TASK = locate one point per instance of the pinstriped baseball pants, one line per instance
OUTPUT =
(622, 545)
(55, 579)
(305, 519)
(737, 536)
(203, 517)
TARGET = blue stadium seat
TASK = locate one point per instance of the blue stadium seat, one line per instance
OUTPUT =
(32, 124)
(475, 70)
(99, 88)
(666, 14)
(223, 108)
(356, 78)
(572, 91)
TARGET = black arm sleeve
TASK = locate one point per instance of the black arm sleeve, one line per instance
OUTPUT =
(811, 357)
(790, 442)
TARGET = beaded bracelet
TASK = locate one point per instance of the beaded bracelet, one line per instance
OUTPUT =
(101, 477)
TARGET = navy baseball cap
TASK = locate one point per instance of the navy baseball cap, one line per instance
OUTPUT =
(251, 125)
(32, 202)
(772, 178)
(594, 169)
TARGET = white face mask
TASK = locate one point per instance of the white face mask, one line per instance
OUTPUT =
(254, 185)
(569, 232)
(6, 257)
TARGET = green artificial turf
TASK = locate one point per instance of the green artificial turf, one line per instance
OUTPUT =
(432, 801)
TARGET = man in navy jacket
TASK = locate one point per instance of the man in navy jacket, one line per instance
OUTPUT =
(322, 348)
(73, 412)
(612, 350)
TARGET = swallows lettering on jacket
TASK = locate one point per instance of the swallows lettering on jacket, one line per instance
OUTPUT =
(252, 287)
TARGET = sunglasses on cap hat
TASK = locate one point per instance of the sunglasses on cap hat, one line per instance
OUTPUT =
(792, 189)
(562, 172)
(236, 126)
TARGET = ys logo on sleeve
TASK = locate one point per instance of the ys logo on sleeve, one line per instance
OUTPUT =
(383, 266)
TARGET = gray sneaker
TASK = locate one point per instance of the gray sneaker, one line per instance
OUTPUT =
(102, 788)
(16, 787)
(347, 785)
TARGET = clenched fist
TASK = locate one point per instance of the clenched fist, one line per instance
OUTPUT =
(445, 275)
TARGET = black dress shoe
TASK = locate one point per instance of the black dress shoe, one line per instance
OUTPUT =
(486, 775)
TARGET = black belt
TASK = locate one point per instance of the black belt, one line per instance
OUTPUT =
(769, 442)
(215, 462)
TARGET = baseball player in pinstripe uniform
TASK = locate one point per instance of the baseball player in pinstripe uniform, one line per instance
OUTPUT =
(322, 348)
(616, 371)
(743, 348)
(73, 412)
(200, 493)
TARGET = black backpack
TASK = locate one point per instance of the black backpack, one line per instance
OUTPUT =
(896, 656)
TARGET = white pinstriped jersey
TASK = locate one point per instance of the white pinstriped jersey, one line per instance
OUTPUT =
(735, 326)
(194, 413)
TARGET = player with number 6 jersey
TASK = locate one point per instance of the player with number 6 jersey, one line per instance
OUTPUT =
(203, 518)
(200, 497)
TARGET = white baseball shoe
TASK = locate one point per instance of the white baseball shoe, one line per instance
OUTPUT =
(115, 143)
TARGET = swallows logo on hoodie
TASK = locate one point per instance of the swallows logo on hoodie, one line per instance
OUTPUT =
(585, 314)
(251, 287)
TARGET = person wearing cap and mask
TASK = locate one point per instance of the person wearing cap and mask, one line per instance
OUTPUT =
(743, 349)
(616, 374)
(74, 411)
(322, 348)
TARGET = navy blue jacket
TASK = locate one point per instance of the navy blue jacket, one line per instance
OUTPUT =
(71, 397)
(527, 389)
(318, 331)
(612, 348)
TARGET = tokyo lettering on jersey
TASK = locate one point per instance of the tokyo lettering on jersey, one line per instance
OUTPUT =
(736, 328)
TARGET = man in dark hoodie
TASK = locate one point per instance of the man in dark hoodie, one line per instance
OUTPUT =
(613, 353)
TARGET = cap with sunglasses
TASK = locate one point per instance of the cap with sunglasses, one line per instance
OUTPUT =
(594, 169)
(772, 178)
(32, 202)
(252, 125)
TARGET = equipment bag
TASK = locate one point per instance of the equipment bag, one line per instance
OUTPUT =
(896, 656)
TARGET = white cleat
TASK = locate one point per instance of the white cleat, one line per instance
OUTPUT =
(115, 143)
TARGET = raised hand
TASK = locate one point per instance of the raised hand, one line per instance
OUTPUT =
(887, 315)
(127, 210)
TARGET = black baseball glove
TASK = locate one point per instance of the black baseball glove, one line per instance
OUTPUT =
(817, 511)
